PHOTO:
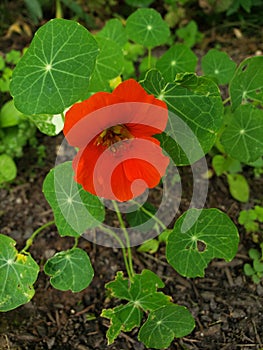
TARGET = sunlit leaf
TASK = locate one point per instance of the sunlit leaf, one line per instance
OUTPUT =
(238, 187)
(75, 210)
(146, 27)
(70, 270)
(211, 235)
(18, 273)
(8, 168)
(56, 68)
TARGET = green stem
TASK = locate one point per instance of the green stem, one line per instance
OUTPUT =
(59, 13)
(149, 57)
(226, 100)
(30, 240)
(126, 235)
(113, 234)
(151, 215)
(76, 242)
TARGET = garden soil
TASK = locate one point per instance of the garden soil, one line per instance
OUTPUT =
(226, 305)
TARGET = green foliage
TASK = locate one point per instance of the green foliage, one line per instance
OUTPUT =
(198, 237)
(255, 270)
(55, 70)
(18, 273)
(183, 98)
(146, 27)
(7, 63)
(242, 138)
(70, 270)
(7, 168)
(251, 218)
(109, 51)
(247, 83)
(142, 296)
(178, 59)
(75, 210)
(218, 65)
(190, 34)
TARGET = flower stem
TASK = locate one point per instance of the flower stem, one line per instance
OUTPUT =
(149, 57)
(30, 240)
(151, 215)
(126, 235)
(113, 234)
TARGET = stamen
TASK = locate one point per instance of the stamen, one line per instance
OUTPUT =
(112, 135)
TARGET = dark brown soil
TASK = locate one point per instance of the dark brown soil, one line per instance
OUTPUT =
(227, 307)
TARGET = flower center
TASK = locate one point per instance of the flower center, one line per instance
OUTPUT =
(113, 135)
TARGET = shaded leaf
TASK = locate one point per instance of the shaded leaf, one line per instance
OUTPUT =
(247, 83)
(70, 270)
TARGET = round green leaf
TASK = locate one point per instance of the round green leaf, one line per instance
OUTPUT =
(178, 59)
(75, 210)
(247, 83)
(146, 27)
(18, 273)
(238, 187)
(242, 139)
(55, 70)
(199, 236)
(191, 130)
(70, 270)
(164, 324)
(8, 168)
(9, 115)
(109, 65)
(218, 65)
(114, 31)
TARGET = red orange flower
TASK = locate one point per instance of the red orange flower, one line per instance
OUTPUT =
(118, 156)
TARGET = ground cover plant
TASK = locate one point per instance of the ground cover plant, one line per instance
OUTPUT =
(126, 130)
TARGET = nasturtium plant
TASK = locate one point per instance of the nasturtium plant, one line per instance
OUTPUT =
(242, 138)
(183, 98)
(146, 27)
(18, 273)
(247, 83)
(218, 65)
(75, 210)
(177, 59)
(199, 236)
(109, 51)
(70, 270)
(55, 70)
(67, 76)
